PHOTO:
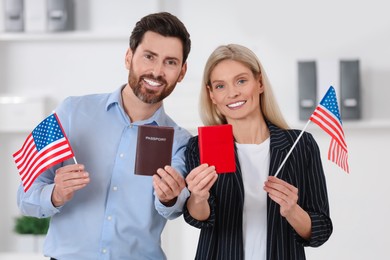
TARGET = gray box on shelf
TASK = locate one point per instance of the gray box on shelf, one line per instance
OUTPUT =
(350, 100)
(60, 15)
(35, 16)
(307, 88)
(13, 15)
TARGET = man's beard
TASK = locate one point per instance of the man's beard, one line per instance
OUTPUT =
(147, 95)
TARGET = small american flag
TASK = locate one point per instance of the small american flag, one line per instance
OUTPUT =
(46, 146)
(327, 116)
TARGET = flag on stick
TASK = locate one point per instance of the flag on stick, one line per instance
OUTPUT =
(327, 116)
(44, 147)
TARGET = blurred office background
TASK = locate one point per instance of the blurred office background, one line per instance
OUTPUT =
(40, 68)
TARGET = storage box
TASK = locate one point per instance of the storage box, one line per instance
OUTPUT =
(21, 114)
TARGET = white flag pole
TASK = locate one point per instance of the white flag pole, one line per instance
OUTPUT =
(74, 157)
(292, 147)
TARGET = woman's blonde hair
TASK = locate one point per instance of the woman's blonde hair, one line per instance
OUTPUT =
(268, 105)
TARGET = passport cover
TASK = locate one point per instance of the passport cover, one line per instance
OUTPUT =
(154, 149)
(216, 147)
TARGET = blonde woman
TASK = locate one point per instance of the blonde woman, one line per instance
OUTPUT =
(250, 214)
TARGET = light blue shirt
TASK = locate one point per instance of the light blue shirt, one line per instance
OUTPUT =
(117, 215)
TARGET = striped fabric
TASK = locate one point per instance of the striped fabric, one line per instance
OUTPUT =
(221, 235)
(327, 116)
(46, 146)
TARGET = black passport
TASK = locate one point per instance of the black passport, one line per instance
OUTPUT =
(154, 149)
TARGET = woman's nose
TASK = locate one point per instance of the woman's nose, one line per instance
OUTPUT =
(233, 92)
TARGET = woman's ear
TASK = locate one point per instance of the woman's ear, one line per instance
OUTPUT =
(261, 85)
(129, 55)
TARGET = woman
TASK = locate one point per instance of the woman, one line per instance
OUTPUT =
(251, 214)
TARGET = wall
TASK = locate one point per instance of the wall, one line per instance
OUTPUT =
(92, 60)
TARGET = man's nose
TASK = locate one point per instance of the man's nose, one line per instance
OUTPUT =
(158, 69)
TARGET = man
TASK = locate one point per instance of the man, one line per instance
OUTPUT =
(99, 208)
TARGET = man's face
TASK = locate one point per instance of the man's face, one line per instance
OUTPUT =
(155, 67)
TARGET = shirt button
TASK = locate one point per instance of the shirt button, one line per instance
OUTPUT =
(104, 250)
(109, 218)
(121, 155)
(115, 188)
(131, 126)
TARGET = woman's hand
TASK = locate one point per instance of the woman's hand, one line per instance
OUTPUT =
(199, 182)
(286, 195)
(282, 193)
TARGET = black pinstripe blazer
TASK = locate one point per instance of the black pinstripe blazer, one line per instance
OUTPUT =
(221, 236)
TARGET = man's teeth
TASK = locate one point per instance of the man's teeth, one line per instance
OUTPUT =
(152, 83)
(237, 104)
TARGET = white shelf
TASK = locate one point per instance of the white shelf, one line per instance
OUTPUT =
(64, 36)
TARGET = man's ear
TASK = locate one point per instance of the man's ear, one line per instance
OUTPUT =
(182, 72)
(129, 55)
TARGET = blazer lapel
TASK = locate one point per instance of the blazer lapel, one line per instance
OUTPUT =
(238, 176)
(279, 145)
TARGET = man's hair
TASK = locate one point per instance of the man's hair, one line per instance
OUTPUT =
(164, 24)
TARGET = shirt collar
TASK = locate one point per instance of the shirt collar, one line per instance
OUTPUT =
(115, 99)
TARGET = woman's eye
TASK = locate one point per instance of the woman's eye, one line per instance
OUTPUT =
(219, 86)
(241, 81)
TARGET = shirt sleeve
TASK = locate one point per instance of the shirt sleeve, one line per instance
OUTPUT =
(178, 162)
(202, 224)
(36, 202)
(175, 210)
(192, 161)
(316, 203)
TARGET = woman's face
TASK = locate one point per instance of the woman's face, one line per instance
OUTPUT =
(235, 90)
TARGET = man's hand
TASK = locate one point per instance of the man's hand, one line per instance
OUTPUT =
(68, 179)
(168, 184)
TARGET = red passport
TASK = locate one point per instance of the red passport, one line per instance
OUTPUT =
(216, 147)
(154, 149)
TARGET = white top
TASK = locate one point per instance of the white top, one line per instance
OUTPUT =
(254, 161)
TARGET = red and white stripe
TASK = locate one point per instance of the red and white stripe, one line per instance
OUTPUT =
(338, 152)
(338, 155)
(31, 162)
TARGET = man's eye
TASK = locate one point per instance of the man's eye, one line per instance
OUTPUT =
(148, 56)
(171, 62)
